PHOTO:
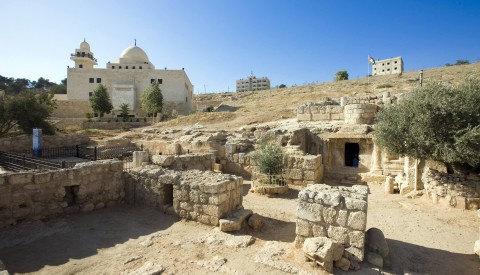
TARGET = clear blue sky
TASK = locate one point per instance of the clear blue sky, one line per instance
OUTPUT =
(219, 41)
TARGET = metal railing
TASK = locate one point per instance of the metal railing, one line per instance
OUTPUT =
(24, 160)
(18, 162)
(270, 179)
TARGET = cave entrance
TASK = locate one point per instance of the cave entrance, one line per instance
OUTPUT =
(352, 151)
(71, 195)
(168, 194)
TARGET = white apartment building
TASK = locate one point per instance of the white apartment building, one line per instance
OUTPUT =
(388, 66)
(253, 84)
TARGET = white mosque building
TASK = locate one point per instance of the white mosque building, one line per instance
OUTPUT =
(126, 80)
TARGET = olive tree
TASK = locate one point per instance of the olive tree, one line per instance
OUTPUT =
(269, 158)
(437, 121)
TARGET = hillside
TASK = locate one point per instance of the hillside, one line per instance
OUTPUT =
(275, 104)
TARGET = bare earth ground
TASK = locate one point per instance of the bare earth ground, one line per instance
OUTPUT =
(422, 238)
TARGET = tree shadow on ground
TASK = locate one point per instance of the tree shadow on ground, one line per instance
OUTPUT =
(79, 236)
(273, 230)
(425, 260)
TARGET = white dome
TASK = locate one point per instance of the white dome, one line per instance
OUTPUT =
(133, 54)
(85, 46)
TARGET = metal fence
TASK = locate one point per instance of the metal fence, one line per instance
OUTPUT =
(269, 179)
(18, 162)
(24, 160)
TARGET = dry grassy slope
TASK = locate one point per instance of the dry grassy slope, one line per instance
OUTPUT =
(275, 104)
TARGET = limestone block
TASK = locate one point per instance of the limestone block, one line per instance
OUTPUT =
(312, 162)
(323, 248)
(187, 206)
(217, 199)
(357, 220)
(21, 178)
(357, 238)
(212, 188)
(309, 211)
(320, 117)
(356, 204)
(354, 254)
(163, 160)
(211, 210)
(342, 218)
(318, 230)
(294, 174)
(194, 196)
(339, 234)
(329, 215)
(41, 178)
(303, 228)
(230, 148)
(234, 221)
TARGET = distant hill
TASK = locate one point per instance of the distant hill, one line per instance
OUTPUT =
(275, 104)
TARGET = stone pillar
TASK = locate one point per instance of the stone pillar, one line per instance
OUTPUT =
(377, 160)
(343, 101)
(389, 185)
(138, 158)
(476, 248)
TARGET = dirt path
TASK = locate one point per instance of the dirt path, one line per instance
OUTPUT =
(123, 239)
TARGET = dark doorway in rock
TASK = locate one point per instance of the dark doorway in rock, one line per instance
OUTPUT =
(168, 194)
(71, 195)
(352, 151)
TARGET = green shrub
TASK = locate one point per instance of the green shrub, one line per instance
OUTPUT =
(268, 158)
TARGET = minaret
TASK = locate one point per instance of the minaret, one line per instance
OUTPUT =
(83, 57)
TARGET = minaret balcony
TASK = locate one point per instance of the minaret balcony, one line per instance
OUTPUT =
(75, 56)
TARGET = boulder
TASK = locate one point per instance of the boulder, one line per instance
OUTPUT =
(374, 259)
(163, 160)
(375, 242)
(149, 268)
(255, 222)
(234, 221)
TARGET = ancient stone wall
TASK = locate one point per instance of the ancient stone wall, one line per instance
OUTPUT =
(303, 169)
(237, 160)
(114, 124)
(24, 142)
(460, 191)
(36, 195)
(360, 113)
(200, 161)
(336, 212)
(314, 112)
(202, 196)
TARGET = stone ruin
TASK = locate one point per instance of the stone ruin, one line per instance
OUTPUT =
(453, 190)
(331, 223)
(203, 196)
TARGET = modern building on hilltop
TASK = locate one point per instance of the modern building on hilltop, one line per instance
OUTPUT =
(253, 84)
(126, 80)
(388, 66)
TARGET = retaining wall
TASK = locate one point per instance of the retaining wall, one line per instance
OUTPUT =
(453, 190)
(36, 195)
(202, 196)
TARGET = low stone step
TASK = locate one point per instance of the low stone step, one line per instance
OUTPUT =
(234, 221)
